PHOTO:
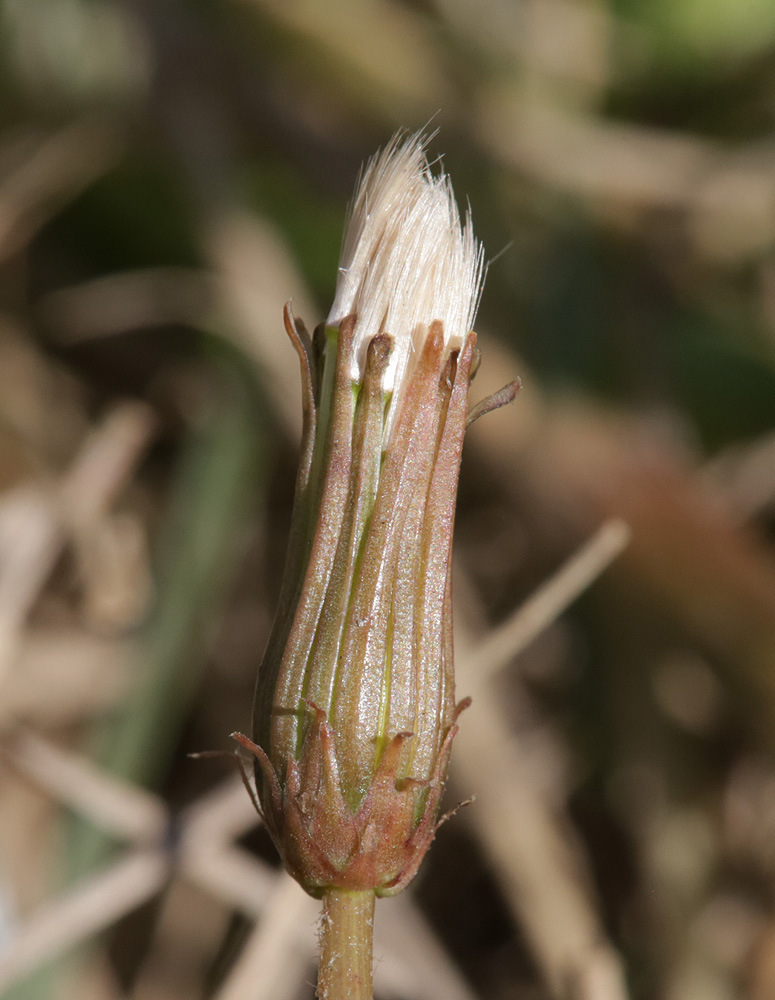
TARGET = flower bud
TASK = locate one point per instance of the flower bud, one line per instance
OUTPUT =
(355, 710)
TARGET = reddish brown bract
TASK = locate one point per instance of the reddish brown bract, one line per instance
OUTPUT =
(355, 710)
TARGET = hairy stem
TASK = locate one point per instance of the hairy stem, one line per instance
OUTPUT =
(346, 945)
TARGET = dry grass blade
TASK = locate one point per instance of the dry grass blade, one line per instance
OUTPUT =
(29, 543)
(106, 461)
(231, 875)
(725, 194)
(258, 275)
(30, 533)
(416, 964)
(598, 159)
(208, 857)
(539, 860)
(58, 168)
(130, 300)
(66, 675)
(540, 864)
(96, 980)
(375, 50)
(220, 816)
(550, 600)
(274, 960)
(744, 477)
(122, 809)
(86, 909)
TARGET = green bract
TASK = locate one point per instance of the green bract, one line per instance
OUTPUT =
(355, 710)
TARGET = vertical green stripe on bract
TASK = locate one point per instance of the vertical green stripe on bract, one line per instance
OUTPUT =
(322, 436)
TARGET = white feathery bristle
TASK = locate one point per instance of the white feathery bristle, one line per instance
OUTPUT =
(407, 259)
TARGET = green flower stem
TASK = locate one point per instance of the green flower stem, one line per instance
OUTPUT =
(346, 945)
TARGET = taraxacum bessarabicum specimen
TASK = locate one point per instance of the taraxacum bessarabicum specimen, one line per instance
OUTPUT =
(355, 707)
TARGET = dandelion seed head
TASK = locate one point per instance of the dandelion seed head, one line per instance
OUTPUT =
(407, 258)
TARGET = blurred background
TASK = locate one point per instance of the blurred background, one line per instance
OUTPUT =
(171, 171)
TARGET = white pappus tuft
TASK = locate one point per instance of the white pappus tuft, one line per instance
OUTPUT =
(407, 259)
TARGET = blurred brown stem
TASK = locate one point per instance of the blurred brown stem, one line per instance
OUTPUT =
(346, 937)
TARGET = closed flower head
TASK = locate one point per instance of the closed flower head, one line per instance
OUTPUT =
(355, 709)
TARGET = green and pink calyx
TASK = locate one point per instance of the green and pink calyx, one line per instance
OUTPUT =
(355, 708)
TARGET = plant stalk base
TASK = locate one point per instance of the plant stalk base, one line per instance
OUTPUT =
(346, 940)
